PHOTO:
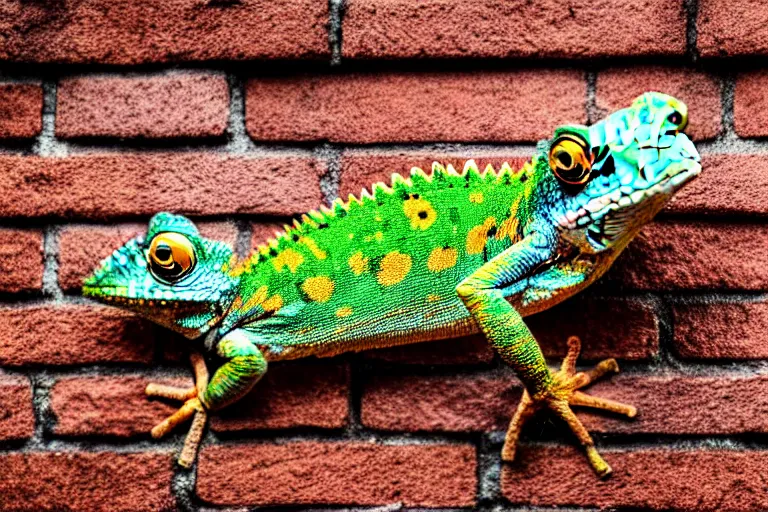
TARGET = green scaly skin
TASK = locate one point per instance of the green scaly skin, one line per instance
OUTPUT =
(431, 256)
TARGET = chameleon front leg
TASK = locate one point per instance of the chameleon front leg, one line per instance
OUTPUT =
(482, 294)
(244, 367)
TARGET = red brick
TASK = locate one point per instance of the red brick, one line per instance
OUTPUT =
(414, 107)
(136, 31)
(95, 481)
(694, 255)
(750, 103)
(466, 350)
(338, 473)
(732, 27)
(657, 479)
(82, 247)
(21, 260)
(616, 88)
(175, 105)
(53, 335)
(263, 231)
(361, 170)
(21, 110)
(17, 419)
(494, 28)
(121, 184)
(291, 395)
(724, 330)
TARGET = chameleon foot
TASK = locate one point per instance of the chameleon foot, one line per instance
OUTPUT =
(192, 408)
(560, 396)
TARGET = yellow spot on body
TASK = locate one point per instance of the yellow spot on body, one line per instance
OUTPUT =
(378, 236)
(318, 289)
(351, 236)
(256, 299)
(358, 263)
(312, 246)
(476, 197)
(442, 258)
(288, 258)
(508, 228)
(433, 297)
(393, 268)
(273, 303)
(420, 212)
(478, 236)
(343, 311)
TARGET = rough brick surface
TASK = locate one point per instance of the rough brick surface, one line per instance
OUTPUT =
(660, 479)
(132, 32)
(732, 27)
(721, 330)
(466, 350)
(21, 110)
(176, 105)
(72, 334)
(100, 481)
(82, 247)
(411, 107)
(17, 419)
(750, 105)
(111, 185)
(695, 255)
(616, 88)
(21, 260)
(338, 473)
(496, 28)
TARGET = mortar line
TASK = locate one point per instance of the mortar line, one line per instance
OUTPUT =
(50, 285)
(691, 29)
(591, 99)
(336, 11)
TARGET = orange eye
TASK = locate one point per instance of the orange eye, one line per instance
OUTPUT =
(570, 160)
(171, 256)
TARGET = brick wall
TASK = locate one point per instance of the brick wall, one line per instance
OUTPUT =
(242, 114)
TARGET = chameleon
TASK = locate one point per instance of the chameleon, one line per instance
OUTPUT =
(430, 256)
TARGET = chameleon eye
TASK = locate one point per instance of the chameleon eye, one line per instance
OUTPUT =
(171, 256)
(570, 160)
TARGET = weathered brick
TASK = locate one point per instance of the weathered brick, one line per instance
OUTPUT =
(162, 106)
(732, 27)
(617, 87)
(750, 104)
(724, 330)
(694, 255)
(17, 419)
(410, 107)
(338, 473)
(82, 247)
(494, 28)
(120, 184)
(263, 231)
(97, 481)
(670, 404)
(132, 32)
(21, 260)
(21, 110)
(72, 334)
(646, 479)
(291, 395)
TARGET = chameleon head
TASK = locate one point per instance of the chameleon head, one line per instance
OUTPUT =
(618, 173)
(172, 276)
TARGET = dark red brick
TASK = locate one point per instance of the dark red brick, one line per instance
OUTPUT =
(750, 103)
(54, 335)
(291, 395)
(137, 31)
(21, 260)
(17, 419)
(617, 87)
(732, 27)
(82, 247)
(724, 330)
(120, 184)
(494, 28)
(263, 231)
(21, 110)
(694, 255)
(351, 473)
(161, 106)
(645, 479)
(96, 481)
(466, 350)
(412, 107)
